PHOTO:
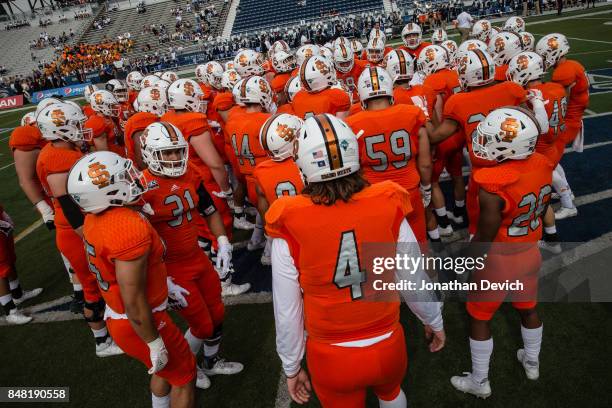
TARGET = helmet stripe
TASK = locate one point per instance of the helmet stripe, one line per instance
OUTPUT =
(331, 141)
(484, 62)
(402, 61)
(374, 79)
(243, 88)
(303, 74)
(264, 131)
(343, 48)
(171, 132)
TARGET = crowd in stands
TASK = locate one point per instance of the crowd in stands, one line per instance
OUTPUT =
(13, 25)
(89, 57)
(45, 40)
(102, 22)
(141, 7)
(82, 14)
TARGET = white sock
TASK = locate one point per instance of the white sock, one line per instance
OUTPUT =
(459, 203)
(258, 232)
(481, 356)
(160, 402)
(77, 287)
(100, 332)
(14, 284)
(441, 211)
(550, 230)
(67, 266)
(6, 299)
(434, 234)
(562, 187)
(195, 343)
(532, 342)
(398, 402)
(238, 210)
(211, 350)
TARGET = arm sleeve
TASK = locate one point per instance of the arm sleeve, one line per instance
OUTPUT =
(541, 116)
(288, 308)
(206, 205)
(71, 210)
(423, 304)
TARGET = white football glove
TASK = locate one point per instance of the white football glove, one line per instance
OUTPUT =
(417, 79)
(227, 195)
(425, 194)
(420, 102)
(536, 94)
(176, 292)
(224, 256)
(47, 214)
(158, 354)
(535, 98)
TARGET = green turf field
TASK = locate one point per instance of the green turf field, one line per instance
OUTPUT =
(575, 357)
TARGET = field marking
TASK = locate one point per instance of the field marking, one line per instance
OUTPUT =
(7, 166)
(28, 230)
(590, 112)
(573, 17)
(588, 52)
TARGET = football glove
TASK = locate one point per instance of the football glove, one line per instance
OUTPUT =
(425, 194)
(158, 354)
(420, 102)
(227, 195)
(177, 293)
(224, 256)
(46, 211)
(417, 79)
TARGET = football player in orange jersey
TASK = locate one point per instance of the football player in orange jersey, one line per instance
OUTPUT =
(87, 110)
(435, 64)
(317, 75)
(393, 143)
(502, 47)
(412, 35)
(348, 68)
(374, 51)
(101, 127)
(256, 96)
(464, 110)
(63, 126)
(279, 176)
(120, 91)
(202, 80)
(553, 48)
(127, 257)
(319, 285)
(527, 69)
(283, 63)
(514, 193)
(175, 190)
(151, 103)
(133, 81)
(292, 87)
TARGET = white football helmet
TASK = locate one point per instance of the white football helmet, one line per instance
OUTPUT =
(481, 30)
(89, 89)
(344, 58)
(552, 47)
(412, 35)
(279, 45)
(432, 58)
(170, 76)
(528, 41)
(228, 65)
(471, 45)
(504, 46)
(278, 134)
(133, 80)
(118, 88)
(326, 149)
(200, 73)
(451, 48)
(152, 100)
(438, 36)
(158, 74)
(377, 33)
(317, 73)
(374, 82)
(327, 53)
(104, 179)
(43, 103)
(229, 79)
(475, 68)
(254, 90)
(162, 84)
(357, 46)
(186, 94)
(341, 40)
(248, 63)
(283, 61)
(400, 65)
(28, 119)
(214, 74)
(292, 87)
(159, 138)
(104, 103)
(524, 67)
(149, 81)
(514, 24)
(61, 121)
(508, 133)
(305, 51)
(375, 50)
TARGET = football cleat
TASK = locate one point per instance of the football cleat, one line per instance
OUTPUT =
(202, 380)
(446, 231)
(467, 384)
(532, 368)
(17, 318)
(564, 212)
(457, 215)
(27, 295)
(231, 289)
(223, 367)
(551, 243)
(242, 223)
(108, 348)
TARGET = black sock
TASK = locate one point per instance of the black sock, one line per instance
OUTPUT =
(8, 307)
(17, 293)
(78, 296)
(442, 220)
(551, 237)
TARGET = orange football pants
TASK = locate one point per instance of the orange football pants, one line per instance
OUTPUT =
(7, 254)
(341, 375)
(181, 367)
(570, 133)
(73, 248)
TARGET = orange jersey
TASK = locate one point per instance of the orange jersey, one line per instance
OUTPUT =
(125, 234)
(469, 108)
(389, 145)
(571, 73)
(136, 123)
(55, 160)
(190, 124)
(327, 101)
(404, 96)
(500, 72)
(414, 53)
(445, 82)
(278, 179)
(132, 95)
(279, 81)
(243, 130)
(174, 201)
(223, 101)
(335, 288)
(88, 111)
(556, 109)
(351, 78)
(101, 125)
(525, 187)
(286, 108)
(26, 138)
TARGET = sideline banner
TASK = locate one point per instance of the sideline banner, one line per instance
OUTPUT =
(67, 91)
(11, 102)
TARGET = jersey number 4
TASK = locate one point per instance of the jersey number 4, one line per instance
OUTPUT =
(244, 153)
(348, 273)
(535, 210)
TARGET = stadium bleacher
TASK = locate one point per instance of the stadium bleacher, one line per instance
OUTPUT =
(265, 13)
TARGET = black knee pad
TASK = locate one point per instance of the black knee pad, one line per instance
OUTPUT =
(97, 309)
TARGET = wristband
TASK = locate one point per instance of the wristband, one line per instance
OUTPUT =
(156, 344)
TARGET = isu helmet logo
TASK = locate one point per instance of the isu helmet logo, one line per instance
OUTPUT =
(58, 117)
(322, 67)
(430, 54)
(285, 132)
(98, 98)
(308, 52)
(552, 43)
(155, 95)
(526, 40)
(463, 62)
(499, 44)
(263, 87)
(98, 174)
(188, 88)
(472, 46)
(509, 129)
(243, 60)
(485, 25)
(522, 62)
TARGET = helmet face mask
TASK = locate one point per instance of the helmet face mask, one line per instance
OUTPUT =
(152, 100)
(186, 94)
(118, 89)
(412, 35)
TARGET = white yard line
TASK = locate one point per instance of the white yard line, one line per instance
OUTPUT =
(6, 167)
(28, 230)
